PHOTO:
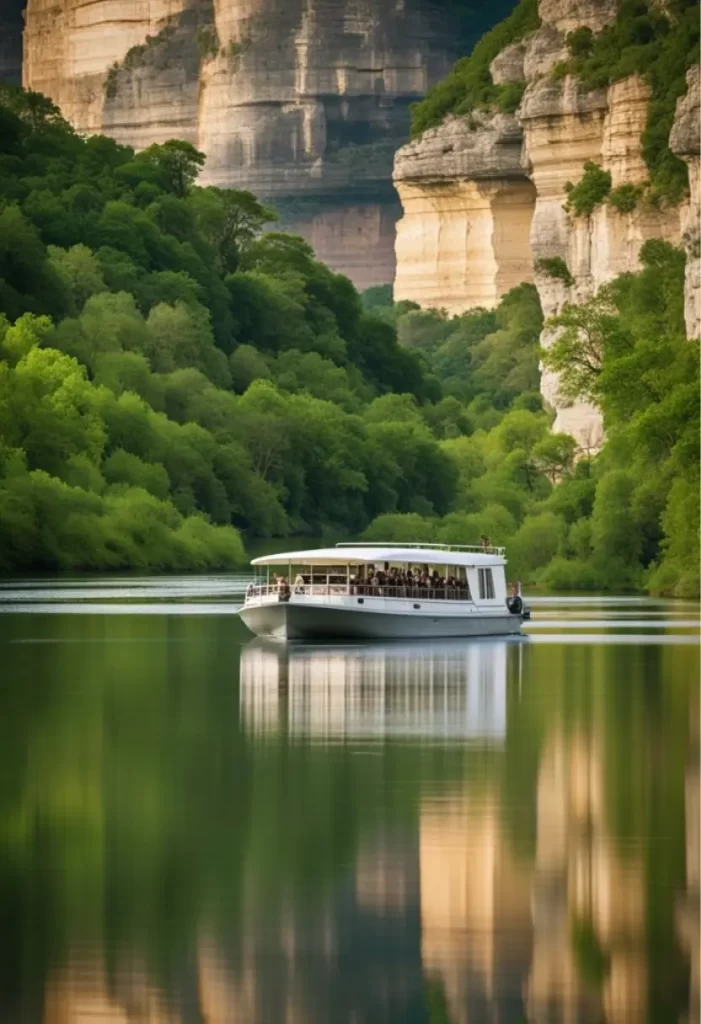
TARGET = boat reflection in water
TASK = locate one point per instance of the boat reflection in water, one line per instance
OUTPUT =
(443, 690)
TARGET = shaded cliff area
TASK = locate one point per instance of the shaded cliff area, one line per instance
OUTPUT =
(547, 156)
(303, 103)
(11, 24)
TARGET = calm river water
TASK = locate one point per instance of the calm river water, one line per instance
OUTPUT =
(200, 828)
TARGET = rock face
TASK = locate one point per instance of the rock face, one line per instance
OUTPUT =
(484, 202)
(11, 41)
(685, 141)
(293, 99)
(463, 240)
(563, 128)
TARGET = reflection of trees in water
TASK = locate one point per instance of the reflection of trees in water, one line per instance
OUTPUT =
(157, 857)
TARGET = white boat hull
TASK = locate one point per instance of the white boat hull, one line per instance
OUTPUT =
(297, 621)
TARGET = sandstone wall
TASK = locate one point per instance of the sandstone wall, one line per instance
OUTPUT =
(288, 98)
(484, 197)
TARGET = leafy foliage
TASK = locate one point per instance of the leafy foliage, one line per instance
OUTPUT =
(469, 85)
(555, 267)
(625, 198)
(590, 190)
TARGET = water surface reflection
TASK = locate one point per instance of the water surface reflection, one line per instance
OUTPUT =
(200, 829)
(440, 690)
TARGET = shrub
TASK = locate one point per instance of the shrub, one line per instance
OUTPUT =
(509, 96)
(589, 192)
(555, 266)
(580, 43)
(625, 197)
(134, 57)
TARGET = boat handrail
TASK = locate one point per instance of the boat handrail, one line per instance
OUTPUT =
(489, 550)
(360, 589)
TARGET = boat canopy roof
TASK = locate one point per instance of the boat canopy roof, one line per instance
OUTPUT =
(373, 554)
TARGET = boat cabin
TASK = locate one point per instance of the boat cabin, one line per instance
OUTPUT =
(360, 573)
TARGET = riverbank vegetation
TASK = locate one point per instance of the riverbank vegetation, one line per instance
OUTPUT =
(623, 519)
(170, 375)
(174, 375)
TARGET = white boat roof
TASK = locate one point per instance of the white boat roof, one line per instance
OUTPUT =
(373, 554)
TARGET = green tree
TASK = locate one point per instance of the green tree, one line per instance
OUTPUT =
(230, 220)
(79, 271)
(178, 164)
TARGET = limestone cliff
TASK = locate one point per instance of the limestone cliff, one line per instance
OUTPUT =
(301, 101)
(685, 141)
(563, 128)
(463, 240)
(484, 196)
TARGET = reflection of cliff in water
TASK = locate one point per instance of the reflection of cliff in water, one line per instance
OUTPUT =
(438, 691)
(564, 937)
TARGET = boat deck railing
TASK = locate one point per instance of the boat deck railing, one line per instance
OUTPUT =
(483, 549)
(360, 590)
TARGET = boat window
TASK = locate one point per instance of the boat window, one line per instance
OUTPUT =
(486, 584)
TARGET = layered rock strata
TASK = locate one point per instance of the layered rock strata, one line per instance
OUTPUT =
(484, 197)
(288, 98)
(464, 238)
(564, 127)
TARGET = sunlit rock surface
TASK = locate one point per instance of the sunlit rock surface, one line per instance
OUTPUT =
(463, 240)
(293, 99)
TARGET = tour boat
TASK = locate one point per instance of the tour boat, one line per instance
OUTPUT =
(383, 591)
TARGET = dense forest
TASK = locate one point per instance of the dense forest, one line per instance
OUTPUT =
(175, 373)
